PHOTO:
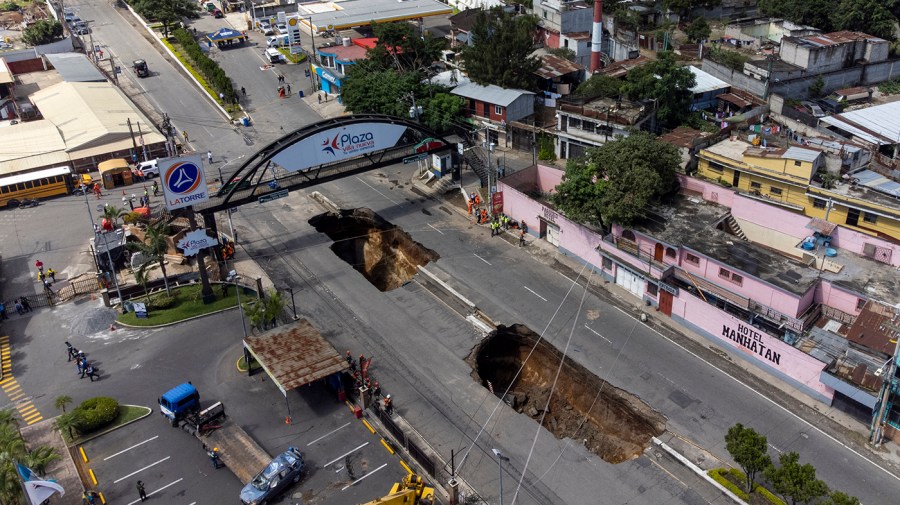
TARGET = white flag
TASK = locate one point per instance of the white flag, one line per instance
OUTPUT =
(38, 490)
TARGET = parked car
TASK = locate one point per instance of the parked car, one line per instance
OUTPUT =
(830, 105)
(282, 28)
(69, 15)
(266, 28)
(150, 168)
(140, 68)
(218, 14)
(82, 30)
(812, 108)
(287, 468)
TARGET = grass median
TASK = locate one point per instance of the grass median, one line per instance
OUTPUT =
(187, 303)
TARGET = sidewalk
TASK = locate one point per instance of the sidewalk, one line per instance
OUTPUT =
(62, 470)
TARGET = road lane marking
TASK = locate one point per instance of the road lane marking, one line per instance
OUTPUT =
(158, 490)
(766, 398)
(351, 451)
(435, 229)
(332, 432)
(566, 277)
(535, 294)
(130, 448)
(777, 449)
(482, 259)
(380, 193)
(141, 470)
(363, 477)
(595, 333)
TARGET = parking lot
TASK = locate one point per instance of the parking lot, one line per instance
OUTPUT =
(346, 462)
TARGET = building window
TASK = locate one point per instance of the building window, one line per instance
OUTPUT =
(498, 110)
(545, 14)
(607, 263)
(652, 289)
(797, 163)
(690, 258)
(737, 279)
(818, 203)
(755, 185)
(774, 191)
(870, 218)
(670, 252)
(565, 42)
(860, 303)
(716, 167)
(587, 126)
(574, 122)
(725, 274)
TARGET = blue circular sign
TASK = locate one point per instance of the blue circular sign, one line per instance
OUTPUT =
(183, 178)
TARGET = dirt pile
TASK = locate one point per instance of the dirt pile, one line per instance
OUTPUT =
(612, 423)
(385, 254)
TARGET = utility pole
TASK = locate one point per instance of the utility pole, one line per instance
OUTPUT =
(143, 145)
(112, 68)
(131, 132)
(876, 434)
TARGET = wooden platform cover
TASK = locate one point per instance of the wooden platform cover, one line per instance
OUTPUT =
(295, 354)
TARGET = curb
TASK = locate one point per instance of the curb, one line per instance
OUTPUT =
(134, 327)
(97, 435)
(697, 470)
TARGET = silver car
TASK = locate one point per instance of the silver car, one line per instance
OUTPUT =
(286, 469)
(813, 108)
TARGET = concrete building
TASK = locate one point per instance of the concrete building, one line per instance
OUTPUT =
(495, 107)
(580, 126)
(764, 31)
(877, 128)
(706, 89)
(748, 276)
(864, 200)
(833, 51)
(566, 24)
(335, 60)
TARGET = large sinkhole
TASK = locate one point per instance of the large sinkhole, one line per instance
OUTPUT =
(385, 254)
(615, 425)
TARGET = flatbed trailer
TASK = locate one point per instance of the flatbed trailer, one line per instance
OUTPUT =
(237, 449)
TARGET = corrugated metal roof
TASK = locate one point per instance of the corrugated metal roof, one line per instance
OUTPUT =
(706, 82)
(295, 355)
(491, 94)
(30, 145)
(878, 125)
(75, 67)
(554, 66)
(6, 76)
(876, 181)
(30, 176)
(801, 154)
(353, 13)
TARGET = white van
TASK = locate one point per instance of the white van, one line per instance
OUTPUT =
(274, 56)
(278, 40)
(150, 168)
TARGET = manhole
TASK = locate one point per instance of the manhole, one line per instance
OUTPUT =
(385, 254)
(615, 425)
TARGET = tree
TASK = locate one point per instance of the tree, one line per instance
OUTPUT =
(40, 458)
(600, 86)
(867, 16)
(815, 89)
(443, 111)
(400, 48)
(42, 32)
(839, 498)
(154, 247)
(796, 483)
(749, 449)
(62, 402)
(67, 423)
(500, 53)
(167, 12)
(666, 82)
(815, 13)
(112, 213)
(370, 90)
(698, 30)
(274, 305)
(616, 182)
(562, 52)
(684, 7)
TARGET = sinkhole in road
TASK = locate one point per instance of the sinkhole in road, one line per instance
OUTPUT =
(385, 254)
(608, 421)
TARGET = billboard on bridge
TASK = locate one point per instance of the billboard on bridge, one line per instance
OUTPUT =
(338, 144)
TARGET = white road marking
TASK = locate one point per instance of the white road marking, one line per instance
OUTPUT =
(773, 402)
(123, 451)
(158, 490)
(535, 294)
(482, 259)
(351, 451)
(332, 432)
(395, 202)
(567, 277)
(595, 333)
(777, 449)
(141, 470)
(435, 229)
(363, 477)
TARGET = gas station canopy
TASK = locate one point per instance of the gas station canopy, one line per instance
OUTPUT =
(353, 13)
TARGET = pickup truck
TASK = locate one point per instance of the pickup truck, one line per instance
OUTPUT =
(236, 448)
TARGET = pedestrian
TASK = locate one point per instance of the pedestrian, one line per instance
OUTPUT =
(3, 311)
(214, 457)
(52, 273)
(388, 404)
(470, 203)
(477, 199)
(141, 493)
(243, 91)
(26, 304)
(19, 309)
(155, 188)
(39, 265)
(48, 286)
(41, 276)
(319, 96)
(91, 372)
(522, 239)
(79, 366)
(289, 89)
(221, 97)
(70, 350)
(185, 135)
(376, 390)
(209, 156)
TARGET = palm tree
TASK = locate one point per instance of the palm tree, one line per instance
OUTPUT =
(62, 402)
(40, 458)
(113, 213)
(273, 307)
(154, 247)
(67, 423)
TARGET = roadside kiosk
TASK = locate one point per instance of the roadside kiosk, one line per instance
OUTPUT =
(115, 173)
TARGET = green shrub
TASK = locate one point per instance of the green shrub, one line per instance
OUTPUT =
(95, 413)
(771, 498)
(161, 301)
(717, 475)
(9, 6)
(208, 68)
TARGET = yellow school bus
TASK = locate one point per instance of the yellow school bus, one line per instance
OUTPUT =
(30, 185)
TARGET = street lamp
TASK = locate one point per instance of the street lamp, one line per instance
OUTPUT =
(500, 459)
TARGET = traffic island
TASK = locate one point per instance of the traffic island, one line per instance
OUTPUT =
(386, 255)
(612, 423)
(184, 303)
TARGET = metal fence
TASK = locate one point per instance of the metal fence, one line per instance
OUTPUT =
(400, 436)
(64, 294)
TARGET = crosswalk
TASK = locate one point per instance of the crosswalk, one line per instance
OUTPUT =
(12, 388)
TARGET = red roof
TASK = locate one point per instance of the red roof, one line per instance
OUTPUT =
(370, 43)
(345, 53)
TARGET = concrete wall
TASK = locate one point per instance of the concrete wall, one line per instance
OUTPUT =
(577, 20)
(833, 296)
(734, 77)
(756, 346)
(521, 107)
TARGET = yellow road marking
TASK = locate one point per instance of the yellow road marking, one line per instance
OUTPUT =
(404, 465)
(93, 477)
(10, 379)
(83, 455)
(29, 423)
(102, 499)
(15, 396)
(368, 426)
(31, 417)
(386, 446)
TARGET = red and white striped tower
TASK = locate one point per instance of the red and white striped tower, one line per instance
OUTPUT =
(597, 36)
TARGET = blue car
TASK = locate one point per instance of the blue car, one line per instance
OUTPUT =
(286, 469)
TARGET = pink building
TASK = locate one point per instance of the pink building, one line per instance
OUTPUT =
(734, 269)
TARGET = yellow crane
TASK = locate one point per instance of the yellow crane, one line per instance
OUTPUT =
(409, 491)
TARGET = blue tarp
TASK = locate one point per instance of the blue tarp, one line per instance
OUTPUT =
(225, 34)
